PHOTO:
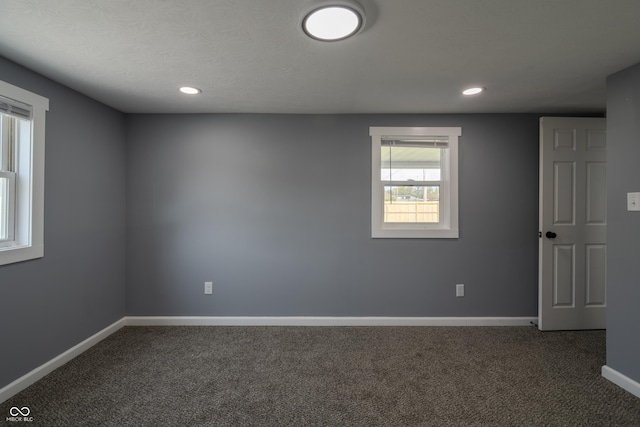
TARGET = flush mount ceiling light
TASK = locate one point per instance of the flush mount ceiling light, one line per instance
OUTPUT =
(334, 21)
(473, 91)
(188, 90)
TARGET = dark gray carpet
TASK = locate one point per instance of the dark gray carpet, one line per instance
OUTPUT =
(333, 376)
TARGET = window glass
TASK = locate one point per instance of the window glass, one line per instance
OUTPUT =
(4, 209)
(401, 163)
(6, 169)
(409, 204)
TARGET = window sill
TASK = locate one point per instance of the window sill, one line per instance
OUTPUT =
(391, 233)
(13, 254)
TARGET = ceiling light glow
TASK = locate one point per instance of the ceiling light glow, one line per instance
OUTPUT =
(190, 90)
(473, 91)
(335, 22)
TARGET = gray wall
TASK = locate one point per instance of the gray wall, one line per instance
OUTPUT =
(51, 304)
(275, 210)
(623, 233)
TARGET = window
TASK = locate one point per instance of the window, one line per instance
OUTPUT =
(22, 123)
(414, 182)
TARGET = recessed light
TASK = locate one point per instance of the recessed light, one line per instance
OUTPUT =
(334, 22)
(190, 90)
(473, 91)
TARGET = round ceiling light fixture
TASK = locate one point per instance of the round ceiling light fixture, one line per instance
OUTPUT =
(334, 21)
(473, 91)
(188, 90)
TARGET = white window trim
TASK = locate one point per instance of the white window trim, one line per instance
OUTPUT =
(448, 228)
(29, 238)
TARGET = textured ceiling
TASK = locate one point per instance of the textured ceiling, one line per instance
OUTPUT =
(413, 56)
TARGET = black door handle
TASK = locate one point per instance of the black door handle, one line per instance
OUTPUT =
(550, 235)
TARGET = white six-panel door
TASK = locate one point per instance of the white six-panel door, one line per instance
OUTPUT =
(573, 221)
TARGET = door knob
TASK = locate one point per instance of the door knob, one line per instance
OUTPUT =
(551, 235)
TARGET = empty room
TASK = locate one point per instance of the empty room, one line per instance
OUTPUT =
(310, 212)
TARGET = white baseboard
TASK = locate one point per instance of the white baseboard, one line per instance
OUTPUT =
(325, 321)
(31, 377)
(621, 380)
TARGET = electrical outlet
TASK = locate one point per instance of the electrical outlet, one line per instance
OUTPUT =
(208, 288)
(459, 290)
(633, 201)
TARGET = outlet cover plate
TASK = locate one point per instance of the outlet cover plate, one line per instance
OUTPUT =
(633, 201)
